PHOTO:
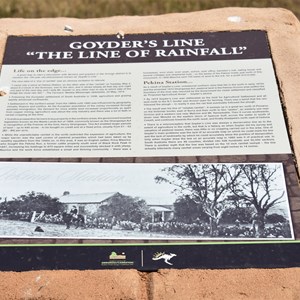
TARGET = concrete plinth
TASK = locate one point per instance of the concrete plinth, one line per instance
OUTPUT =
(283, 30)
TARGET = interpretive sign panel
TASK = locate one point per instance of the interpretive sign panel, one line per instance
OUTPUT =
(144, 95)
(203, 106)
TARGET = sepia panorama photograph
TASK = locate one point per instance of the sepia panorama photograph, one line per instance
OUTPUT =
(144, 201)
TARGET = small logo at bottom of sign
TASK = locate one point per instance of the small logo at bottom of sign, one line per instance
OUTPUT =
(164, 256)
(117, 260)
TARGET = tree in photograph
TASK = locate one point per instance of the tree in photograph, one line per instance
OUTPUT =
(206, 184)
(238, 211)
(30, 202)
(187, 210)
(275, 218)
(235, 215)
(11, 206)
(257, 186)
(38, 202)
(125, 208)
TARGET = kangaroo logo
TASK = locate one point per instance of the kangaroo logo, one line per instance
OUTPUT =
(164, 256)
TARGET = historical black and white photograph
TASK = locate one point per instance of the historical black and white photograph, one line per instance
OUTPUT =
(144, 201)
